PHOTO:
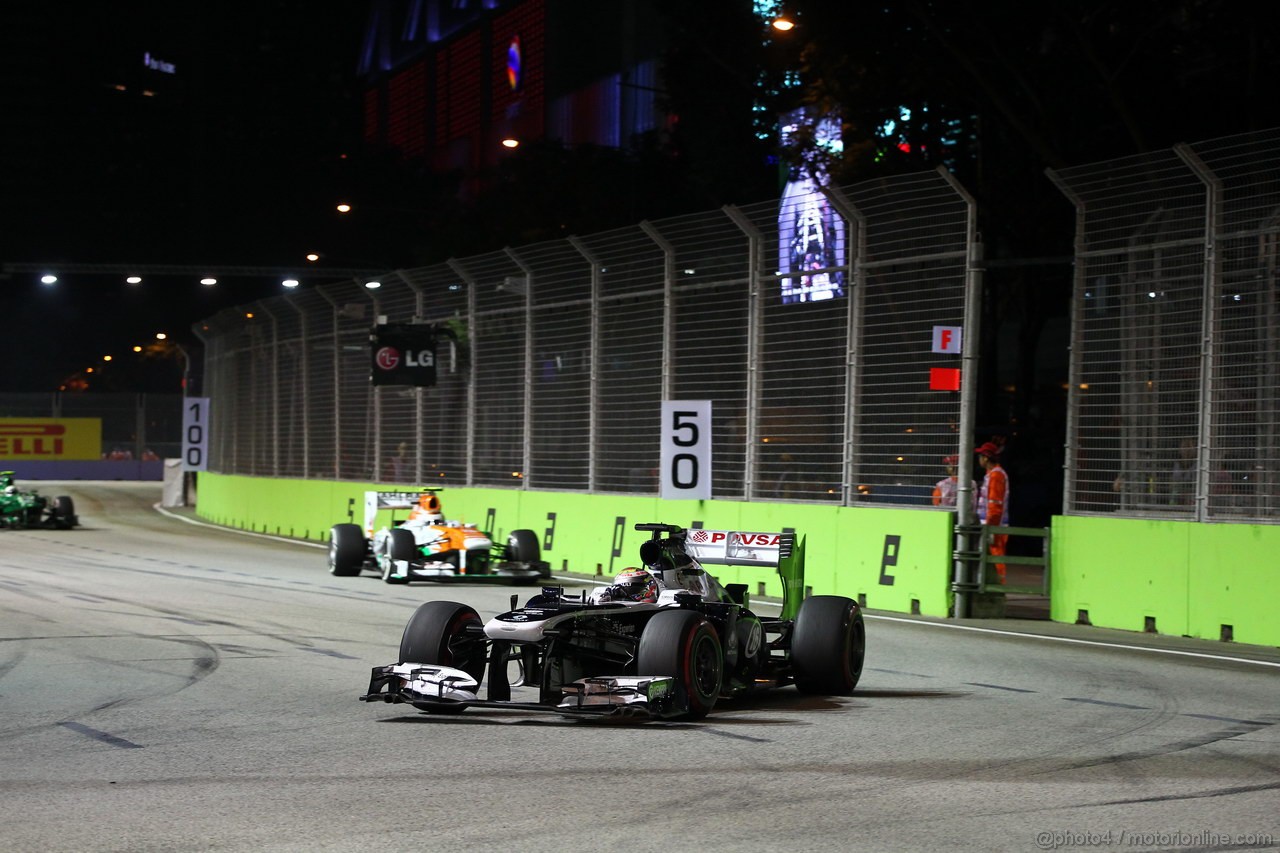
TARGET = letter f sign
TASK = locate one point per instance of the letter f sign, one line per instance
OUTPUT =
(946, 339)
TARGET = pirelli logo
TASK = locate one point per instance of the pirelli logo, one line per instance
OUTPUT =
(50, 438)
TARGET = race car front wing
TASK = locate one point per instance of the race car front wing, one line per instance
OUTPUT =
(442, 689)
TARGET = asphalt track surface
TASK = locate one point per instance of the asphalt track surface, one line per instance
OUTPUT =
(168, 686)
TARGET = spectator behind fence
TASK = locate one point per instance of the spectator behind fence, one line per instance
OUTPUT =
(946, 490)
(1182, 475)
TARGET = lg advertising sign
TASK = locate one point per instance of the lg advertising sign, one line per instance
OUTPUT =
(686, 449)
(404, 354)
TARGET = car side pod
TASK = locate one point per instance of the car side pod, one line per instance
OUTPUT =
(622, 696)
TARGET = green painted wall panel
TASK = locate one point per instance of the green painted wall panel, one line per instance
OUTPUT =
(1121, 570)
(1190, 578)
(845, 547)
(1235, 580)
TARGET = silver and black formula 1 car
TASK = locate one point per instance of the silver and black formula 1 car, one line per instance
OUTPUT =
(29, 509)
(670, 645)
(426, 546)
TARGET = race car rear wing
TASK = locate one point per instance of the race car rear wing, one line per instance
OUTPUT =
(374, 501)
(743, 548)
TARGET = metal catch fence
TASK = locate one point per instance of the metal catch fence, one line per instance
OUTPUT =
(1173, 402)
(817, 363)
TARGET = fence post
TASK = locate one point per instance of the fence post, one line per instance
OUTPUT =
(964, 586)
(526, 431)
(755, 243)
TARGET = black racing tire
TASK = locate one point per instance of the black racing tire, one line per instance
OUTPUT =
(347, 549)
(438, 633)
(684, 645)
(828, 644)
(522, 547)
(399, 545)
(64, 512)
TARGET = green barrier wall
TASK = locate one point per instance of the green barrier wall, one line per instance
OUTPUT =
(891, 559)
(1189, 579)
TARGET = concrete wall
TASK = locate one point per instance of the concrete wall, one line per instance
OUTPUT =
(895, 559)
(1190, 579)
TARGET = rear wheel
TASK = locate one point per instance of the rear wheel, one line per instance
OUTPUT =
(522, 547)
(399, 545)
(684, 645)
(346, 550)
(828, 643)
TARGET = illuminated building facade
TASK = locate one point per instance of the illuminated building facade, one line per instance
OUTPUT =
(457, 83)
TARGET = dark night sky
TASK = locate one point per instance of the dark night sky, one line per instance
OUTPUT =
(235, 158)
(238, 157)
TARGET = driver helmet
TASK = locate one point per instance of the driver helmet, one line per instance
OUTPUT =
(634, 584)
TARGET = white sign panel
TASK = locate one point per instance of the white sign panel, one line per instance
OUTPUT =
(195, 434)
(686, 449)
(946, 339)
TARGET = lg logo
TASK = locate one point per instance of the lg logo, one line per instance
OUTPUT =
(388, 358)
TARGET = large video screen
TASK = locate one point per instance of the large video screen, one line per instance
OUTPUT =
(812, 242)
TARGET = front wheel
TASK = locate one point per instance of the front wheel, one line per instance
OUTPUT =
(400, 545)
(64, 512)
(444, 633)
(346, 550)
(684, 645)
(828, 643)
(522, 547)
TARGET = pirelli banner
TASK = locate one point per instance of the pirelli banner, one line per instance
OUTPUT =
(31, 439)
(404, 354)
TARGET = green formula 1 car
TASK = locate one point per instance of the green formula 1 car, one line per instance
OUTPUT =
(29, 509)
